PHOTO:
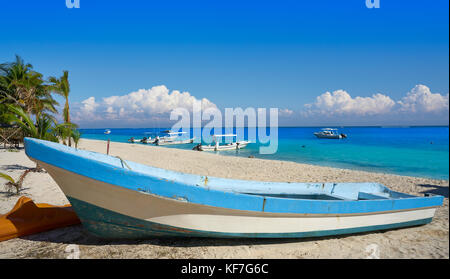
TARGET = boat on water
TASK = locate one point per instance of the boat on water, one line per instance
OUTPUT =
(133, 140)
(169, 142)
(236, 145)
(107, 132)
(115, 198)
(172, 138)
(329, 133)
(143, 140)
(146, 140)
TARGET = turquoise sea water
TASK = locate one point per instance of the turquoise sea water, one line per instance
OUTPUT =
(412, 151)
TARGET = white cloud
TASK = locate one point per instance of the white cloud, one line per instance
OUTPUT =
(341, 103)
(420, 99)
(155, 103)
(87, 110)
(89, 105)
(149, 107)
(418, 107)
(285, 112)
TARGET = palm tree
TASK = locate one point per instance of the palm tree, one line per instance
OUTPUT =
(25, 95)
(76, 135)
(3, 110)
(42, 129)
(65, 131)
(22, 86)
(61, 86)
(15, 79)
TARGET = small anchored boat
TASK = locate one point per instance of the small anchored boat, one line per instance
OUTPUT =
(143, 140)
(146, 140)
(133, 140)
(172, 138)
(116, 199)
(329, 133)
(174, 142)
(107, 132)
(229, 146)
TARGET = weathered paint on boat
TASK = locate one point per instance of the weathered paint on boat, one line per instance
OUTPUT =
(109, 224)
(122, 199)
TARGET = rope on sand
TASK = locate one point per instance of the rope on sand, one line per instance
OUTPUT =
(122, 161)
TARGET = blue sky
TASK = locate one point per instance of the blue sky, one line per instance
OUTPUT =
(239, 53)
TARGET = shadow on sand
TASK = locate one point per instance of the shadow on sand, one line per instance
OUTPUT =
(77, 235)
(435, 189)
(14, 167)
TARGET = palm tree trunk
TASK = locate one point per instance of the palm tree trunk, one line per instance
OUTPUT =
(67, 117)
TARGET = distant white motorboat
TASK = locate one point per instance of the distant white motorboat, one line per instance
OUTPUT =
(171, 138)
(144, 140)
(174, 142)
(229, 146)
(107, 132)
(329, 133)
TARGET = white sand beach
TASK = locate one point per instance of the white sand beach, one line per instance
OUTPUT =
(428, 241)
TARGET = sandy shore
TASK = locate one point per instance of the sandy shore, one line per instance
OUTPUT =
(429, 241)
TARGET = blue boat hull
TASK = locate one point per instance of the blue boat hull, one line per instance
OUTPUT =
(107, 224)
(121, 199)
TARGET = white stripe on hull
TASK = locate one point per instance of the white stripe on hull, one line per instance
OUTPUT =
(247, 224)
(214, 219)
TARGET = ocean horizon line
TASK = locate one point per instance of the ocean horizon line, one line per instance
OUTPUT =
(319, 126)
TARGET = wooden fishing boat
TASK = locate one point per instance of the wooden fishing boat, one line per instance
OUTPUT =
(115, 198)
